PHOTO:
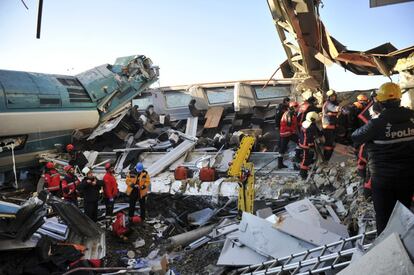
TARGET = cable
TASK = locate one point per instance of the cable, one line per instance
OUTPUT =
(14, 166)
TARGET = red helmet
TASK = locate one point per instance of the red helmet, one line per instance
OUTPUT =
(293, 104)
(67, 168)
(108, 165)
(70, 147)
(50, 165)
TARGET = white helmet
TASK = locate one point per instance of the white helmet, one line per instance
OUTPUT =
(86, 170)
(312, 116)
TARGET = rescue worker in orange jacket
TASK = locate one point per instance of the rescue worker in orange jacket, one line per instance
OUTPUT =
(330, 110)
(389, 139)
(110, 189)
(69, 184)
(288, 131)
(138, 185)
(52, 179)
(308, 133)
(354, 120)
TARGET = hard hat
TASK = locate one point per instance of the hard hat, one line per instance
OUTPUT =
(362, 97)
(86, 170)
(330, 93)
(293, 104)
(70, 147)
(139, 167)
(108, 165)
(67, 167)
(312, 116)
(50, 165)
(388, 91)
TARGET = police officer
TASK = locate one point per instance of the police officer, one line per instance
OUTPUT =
(89, 189)
(389, 140)
(330, 112)
(138, 185)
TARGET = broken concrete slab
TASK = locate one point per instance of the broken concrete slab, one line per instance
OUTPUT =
(259, 235)
(387, 257)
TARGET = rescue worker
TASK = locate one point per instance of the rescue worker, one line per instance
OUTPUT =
(52, 179)
(309, 132)
(137, 189)
(76, 158)
(309, 105)
(389, 140)
(288, 131)
(89, 189)
(280, 110)
(110, 189)
(330, 110)
(69, 184)
(354, 121)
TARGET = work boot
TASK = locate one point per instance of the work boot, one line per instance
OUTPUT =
(280, 164)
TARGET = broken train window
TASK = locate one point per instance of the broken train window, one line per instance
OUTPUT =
(220, 95)
(177, 99)
(271, 91)
(6, 143)
(143, 101)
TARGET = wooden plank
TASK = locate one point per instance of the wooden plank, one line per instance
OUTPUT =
(213, 117)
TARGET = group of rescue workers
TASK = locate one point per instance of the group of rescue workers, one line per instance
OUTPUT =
(381, 130)
(382, 133)
(70, 187)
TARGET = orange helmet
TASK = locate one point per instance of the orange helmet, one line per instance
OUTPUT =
(50, 165)
(362, 97)
(293, 104)
(70, 147)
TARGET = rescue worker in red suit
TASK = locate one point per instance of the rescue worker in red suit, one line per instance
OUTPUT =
(89, 189)
(110, 189)
(389, 139)
(330, 110)
(52, 179)
(69, 184)
(77, 158)
(308, 133)
(280, 110)
(288, 131)
(309, 105)
(354, 111)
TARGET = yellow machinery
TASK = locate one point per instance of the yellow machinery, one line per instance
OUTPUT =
(244, 172)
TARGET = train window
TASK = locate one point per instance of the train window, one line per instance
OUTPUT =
(177, 99)
(69, 82)
(142, 102)
(271, 91)
(220, 95)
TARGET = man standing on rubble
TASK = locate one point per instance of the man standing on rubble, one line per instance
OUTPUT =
(308, 134)
(288, 132)
(69, 184)
(110, 189)
(52, 179)
(138, 185)
(89, 189)
(330, 110)
(389, 140)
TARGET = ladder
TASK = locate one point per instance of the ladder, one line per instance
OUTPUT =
(315, 260)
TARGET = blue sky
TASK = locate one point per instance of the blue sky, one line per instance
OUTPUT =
(191, 40)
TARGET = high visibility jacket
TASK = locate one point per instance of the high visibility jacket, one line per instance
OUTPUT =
(141, 181)
(110, 186)
(330, 112)
(389, 140)
(69, 184)
(288, 124)
(52, 180)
